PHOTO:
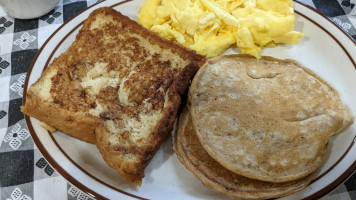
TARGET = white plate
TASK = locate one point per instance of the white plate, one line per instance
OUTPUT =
(326, 50)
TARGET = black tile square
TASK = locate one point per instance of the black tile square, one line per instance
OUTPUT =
(2, 114)
(69, 10)
(15, 113)
(4, 64)
(346, 3)
(330, 8)
(49, 170)
(5, 69)
(41, 163)
(16, 167)
(21, 60)
(52, 16)
(25, 24)
(5, 24)
(350, 184)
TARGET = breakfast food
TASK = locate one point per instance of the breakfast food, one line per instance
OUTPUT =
(211, 26)
(266, 119)
(194, 157)
(118, 85)
(257, 129)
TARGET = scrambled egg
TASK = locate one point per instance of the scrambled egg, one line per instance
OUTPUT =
(211, 26)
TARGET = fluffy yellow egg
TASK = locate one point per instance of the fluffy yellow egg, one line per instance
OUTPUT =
(211, 26)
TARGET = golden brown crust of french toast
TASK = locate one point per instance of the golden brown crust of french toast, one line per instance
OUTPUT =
(134, 171)
(56, 113)
(119, 86)
(75, 125)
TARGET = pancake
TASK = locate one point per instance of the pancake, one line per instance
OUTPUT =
(266, 119)
(213, 175)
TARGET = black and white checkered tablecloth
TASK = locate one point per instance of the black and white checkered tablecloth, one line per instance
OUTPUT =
(24, 173)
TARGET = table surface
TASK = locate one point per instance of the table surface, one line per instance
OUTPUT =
(24, 172)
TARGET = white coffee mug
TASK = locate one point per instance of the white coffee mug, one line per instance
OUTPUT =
(27, 9)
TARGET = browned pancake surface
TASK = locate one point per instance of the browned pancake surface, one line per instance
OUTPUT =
(266, 119)
(193, 155)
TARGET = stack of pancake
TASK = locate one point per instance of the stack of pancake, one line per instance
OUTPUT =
(257, 129)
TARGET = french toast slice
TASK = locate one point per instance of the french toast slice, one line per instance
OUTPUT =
(118, 85)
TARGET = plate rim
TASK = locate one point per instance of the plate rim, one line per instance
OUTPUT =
(326, 189)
